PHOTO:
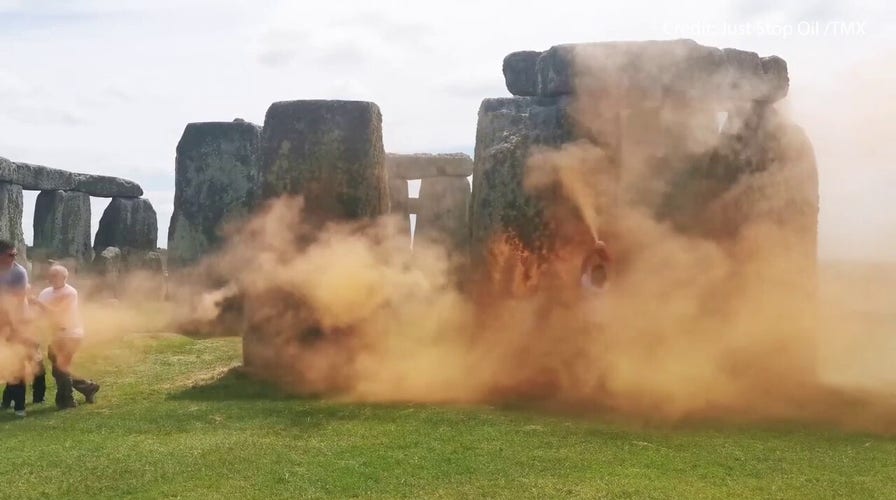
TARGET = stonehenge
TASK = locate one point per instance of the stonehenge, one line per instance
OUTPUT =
(422, 166)
(225, 169)
(669, 67)
(399, 204)
(127, 224)
(442, 205)
(62, 225)
(520, 74)
(40, 178)
(11, 216)
(507, 130)
(216, 181)
(62, 211)
(442, 215)
(108, 262)
(648, 110)
(331, 152)
(644, 113)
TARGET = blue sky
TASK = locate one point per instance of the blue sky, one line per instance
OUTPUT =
(108, 86)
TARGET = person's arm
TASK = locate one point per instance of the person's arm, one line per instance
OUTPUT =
(58, 300)
(34, 301)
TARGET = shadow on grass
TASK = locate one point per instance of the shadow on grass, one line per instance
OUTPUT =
(234, 392)
(234, 385)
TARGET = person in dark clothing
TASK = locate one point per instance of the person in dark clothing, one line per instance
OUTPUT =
(13, 311)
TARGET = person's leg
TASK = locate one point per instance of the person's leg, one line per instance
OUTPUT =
(61, 359)
(39, 386)
(64, 396)
(88, 388)
(17, 391)
(51, 354)
(7, 398)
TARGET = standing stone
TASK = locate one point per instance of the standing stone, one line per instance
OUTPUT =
(520, 74)
(398, 203)
(148, 261)
(443, 216)
(62, 225)
(330, 152)
(128, 223)
(507, 130)
(11, 216)
(216, 181)
(107, 264)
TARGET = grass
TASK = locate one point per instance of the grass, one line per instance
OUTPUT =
(174, 421)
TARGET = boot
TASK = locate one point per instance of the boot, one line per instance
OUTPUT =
(88, 388)
(65, 399)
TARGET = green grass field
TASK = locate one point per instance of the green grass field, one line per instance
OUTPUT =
(174, 421)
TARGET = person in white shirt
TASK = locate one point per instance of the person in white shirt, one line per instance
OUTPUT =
(60, 302)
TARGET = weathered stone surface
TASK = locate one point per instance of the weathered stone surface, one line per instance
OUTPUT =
(555, 71)
(108, 262)
(37, 177)
(507, 130)
(443, 217)
(11, 216)
(41, 260)
(520, 73)
(564, 69)
(330, 152)
(128, 223)
(545, 120)
(398, 202)
(107, 265)
(742, 78)
(144, 260)
(657, 69)
(763, 171)
(216, 181)
(652, 66)
(62, 225)
(778, 180)
(776, 78)
(421, 166)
